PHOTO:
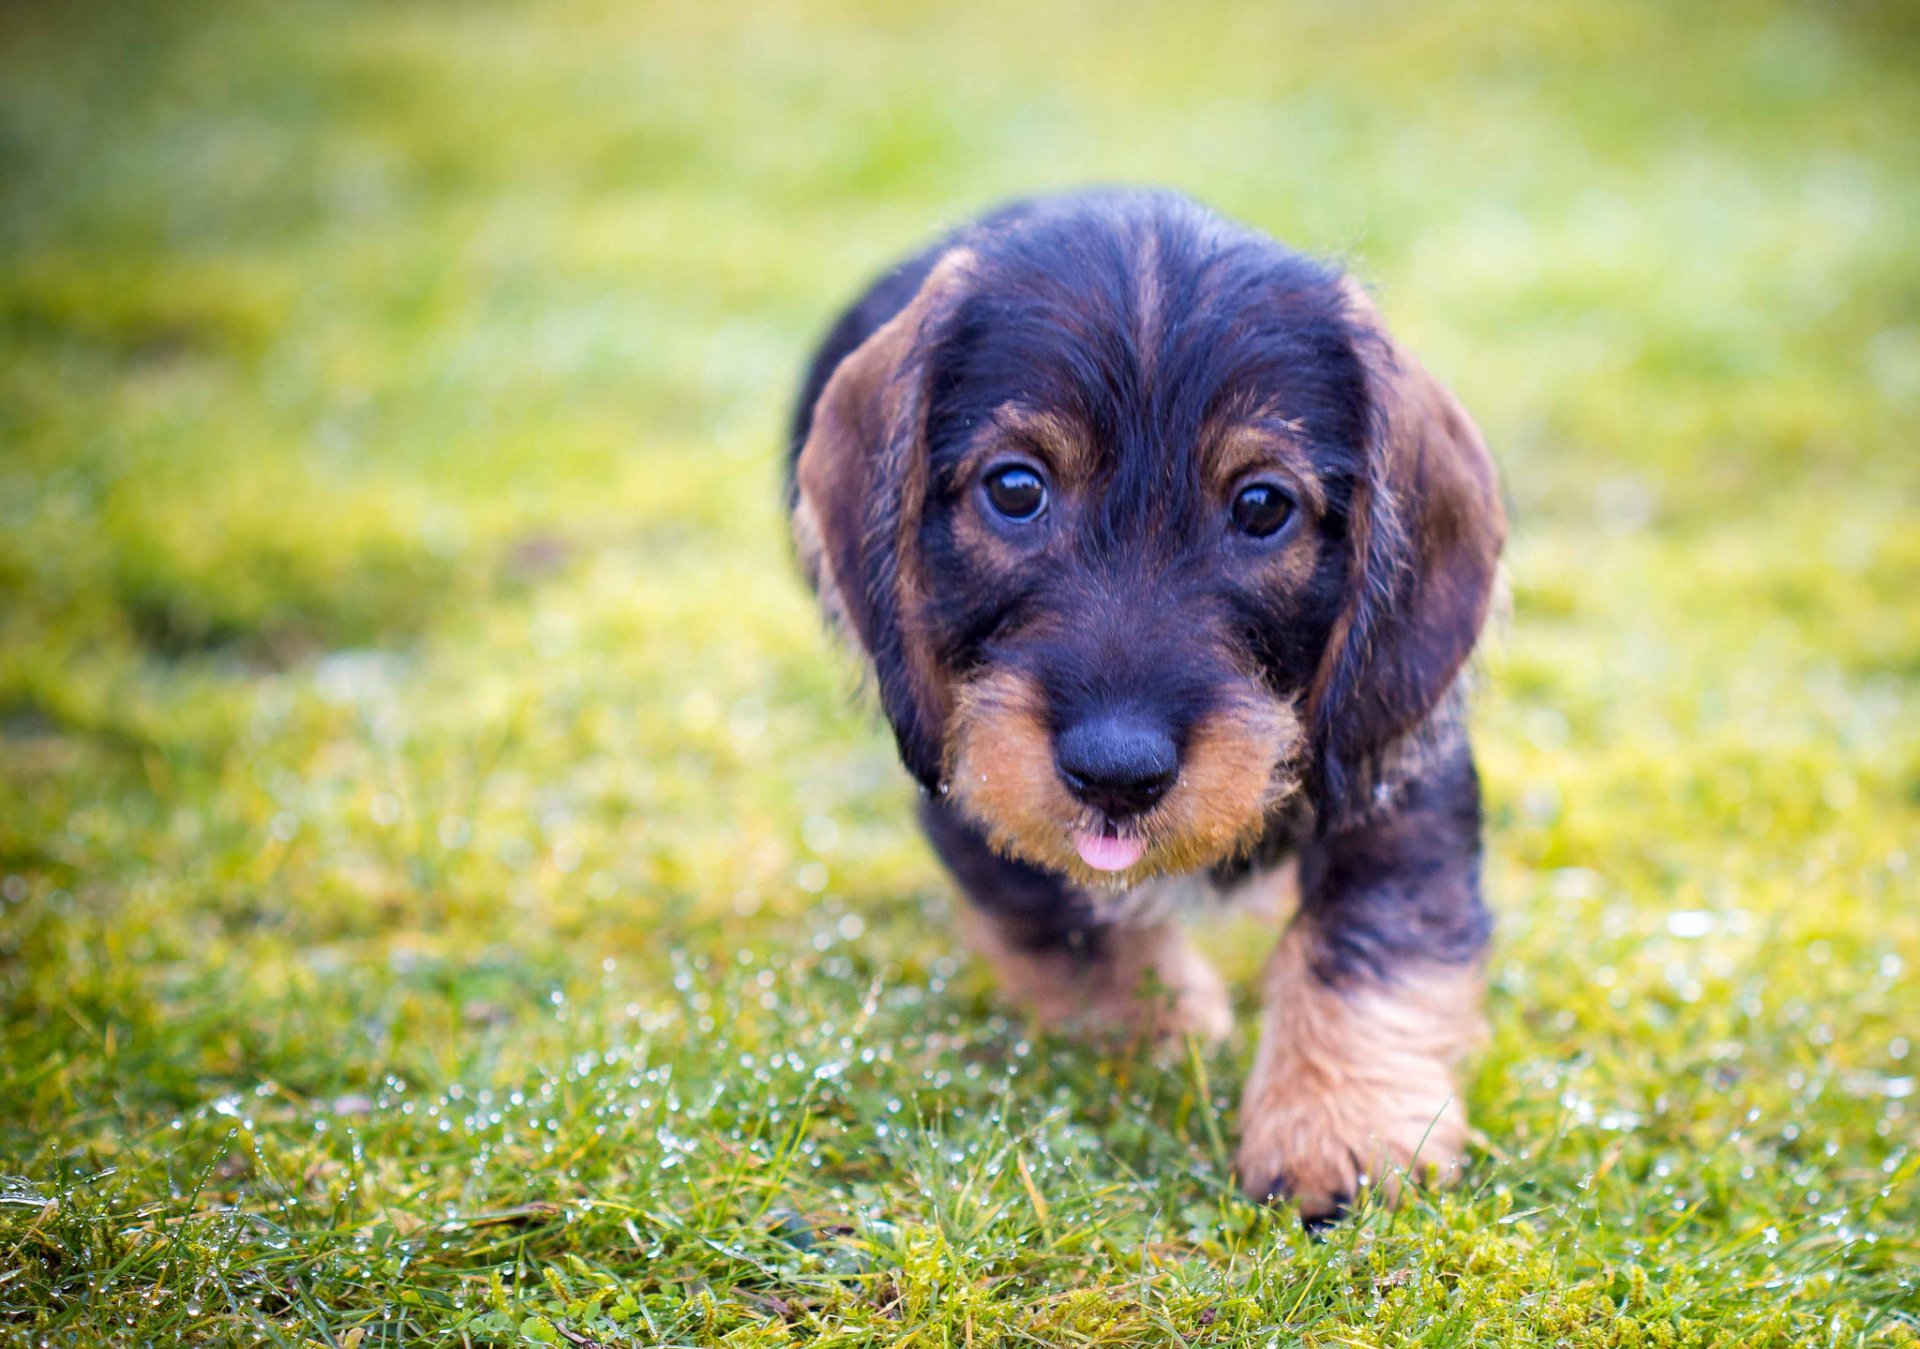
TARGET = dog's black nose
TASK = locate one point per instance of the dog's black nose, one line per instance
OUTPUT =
(1117, 764)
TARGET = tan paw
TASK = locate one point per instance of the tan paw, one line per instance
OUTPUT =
(1146, 982)
(1318, 1147)
(1354, 1086)
(1180, 995)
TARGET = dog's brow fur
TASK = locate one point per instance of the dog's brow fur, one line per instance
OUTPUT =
(1231, 451)
(1059, 441)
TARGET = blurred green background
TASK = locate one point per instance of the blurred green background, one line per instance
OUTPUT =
(450, 894)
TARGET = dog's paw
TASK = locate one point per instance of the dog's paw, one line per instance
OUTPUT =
(1180, 996)
(1317, 1143)
(1354, 1086)
(1149, 985)
(1143, 983)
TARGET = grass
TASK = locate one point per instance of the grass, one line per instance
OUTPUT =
(447, 894)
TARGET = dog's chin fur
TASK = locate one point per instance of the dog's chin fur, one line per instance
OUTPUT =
(1241, 762)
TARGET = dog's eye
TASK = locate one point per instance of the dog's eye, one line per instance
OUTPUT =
(1016, 492)
(1261, 509)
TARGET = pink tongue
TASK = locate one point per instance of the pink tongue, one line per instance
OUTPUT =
(1108, 852)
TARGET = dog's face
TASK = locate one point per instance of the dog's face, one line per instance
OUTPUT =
(1112, 507)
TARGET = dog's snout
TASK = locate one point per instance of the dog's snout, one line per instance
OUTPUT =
(1118, 764)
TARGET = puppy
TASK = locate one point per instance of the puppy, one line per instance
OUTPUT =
(1166, 561)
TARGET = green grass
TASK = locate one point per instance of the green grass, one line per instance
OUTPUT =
(448, 895)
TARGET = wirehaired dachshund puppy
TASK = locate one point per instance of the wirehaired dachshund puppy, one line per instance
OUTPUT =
(1166, 561)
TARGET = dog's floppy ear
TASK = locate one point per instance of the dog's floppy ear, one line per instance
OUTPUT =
(862, 479)
(1427, 528)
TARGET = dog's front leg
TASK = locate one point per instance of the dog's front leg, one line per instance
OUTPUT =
(1142, 982)
(1372, 998)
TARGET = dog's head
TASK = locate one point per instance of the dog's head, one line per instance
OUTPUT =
(1144, 524)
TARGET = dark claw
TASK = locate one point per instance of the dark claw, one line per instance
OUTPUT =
(1317, 1225)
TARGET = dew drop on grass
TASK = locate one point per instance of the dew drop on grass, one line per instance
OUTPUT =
(1689, 924)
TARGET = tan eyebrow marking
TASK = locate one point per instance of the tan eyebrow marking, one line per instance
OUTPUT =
(1274, 441)
(1059, 441)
